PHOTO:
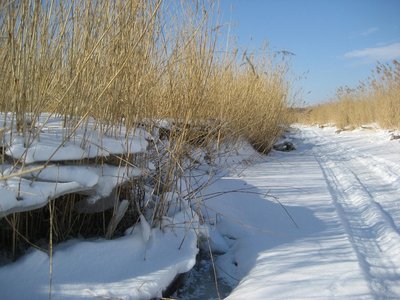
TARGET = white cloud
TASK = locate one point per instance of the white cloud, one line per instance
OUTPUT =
(369, 31)
(388, 52)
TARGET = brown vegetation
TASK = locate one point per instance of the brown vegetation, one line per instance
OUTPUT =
(128, 63)
(375, 100)
(133, 60)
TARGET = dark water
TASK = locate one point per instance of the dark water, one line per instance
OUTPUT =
(199, 283)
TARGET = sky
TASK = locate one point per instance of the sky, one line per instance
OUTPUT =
(335, 42)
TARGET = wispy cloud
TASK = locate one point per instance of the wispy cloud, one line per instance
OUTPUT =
(369, 31)
(388, 52)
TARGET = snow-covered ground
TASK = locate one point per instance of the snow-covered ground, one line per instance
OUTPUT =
(319, 222)
(35, 157)
(53, 160)
(139, 265)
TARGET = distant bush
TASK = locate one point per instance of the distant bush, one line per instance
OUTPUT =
(375, 100)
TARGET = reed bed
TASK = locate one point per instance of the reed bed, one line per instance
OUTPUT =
(376, 100)
(125, 61)
(126, 64)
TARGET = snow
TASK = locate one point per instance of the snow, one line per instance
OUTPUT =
(19, 195)
(54, 181)
(342, 192)
(145, 228)
(54, 173)
(124, 268)
(80, 147)
(321, 222)
(139, 265)
(52, 141)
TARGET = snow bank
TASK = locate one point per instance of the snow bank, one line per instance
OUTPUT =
(139, 265)
(51, 144)
(20, 194)
(51, 141)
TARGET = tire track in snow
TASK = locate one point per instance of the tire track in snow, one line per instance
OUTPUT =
(389, 171)
(370, 228)
(377, 166)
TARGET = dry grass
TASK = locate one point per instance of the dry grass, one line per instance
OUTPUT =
(132, 60)
(375, 100)
(125, 63)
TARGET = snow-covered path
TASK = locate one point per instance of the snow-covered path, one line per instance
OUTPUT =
(343, 193)
(364, 191)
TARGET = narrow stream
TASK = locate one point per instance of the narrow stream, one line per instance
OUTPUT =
(199, 283)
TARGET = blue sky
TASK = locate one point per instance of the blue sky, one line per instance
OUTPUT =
(337, 42)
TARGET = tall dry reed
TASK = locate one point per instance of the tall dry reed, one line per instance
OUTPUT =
(125, 63)
(130, 60)
(377, 100)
